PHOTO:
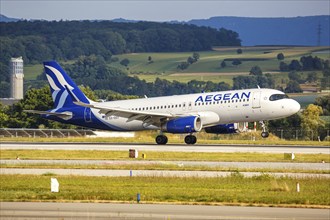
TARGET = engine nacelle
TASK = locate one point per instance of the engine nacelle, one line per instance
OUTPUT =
(227, 128)
(187, 124)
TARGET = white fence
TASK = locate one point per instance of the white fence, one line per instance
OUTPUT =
(26, 132)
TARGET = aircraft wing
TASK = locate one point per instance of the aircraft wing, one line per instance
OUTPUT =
(149, 118)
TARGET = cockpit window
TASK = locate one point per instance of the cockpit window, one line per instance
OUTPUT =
(277, 97)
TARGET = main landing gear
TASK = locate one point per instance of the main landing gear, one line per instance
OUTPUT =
(264, 132)
(161, 139)
(189, 139)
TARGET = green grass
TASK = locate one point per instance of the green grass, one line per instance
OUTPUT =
(32, 71)
(203, 138)
(210, 60)
(237, 190)
(156, 155)
(165, 64)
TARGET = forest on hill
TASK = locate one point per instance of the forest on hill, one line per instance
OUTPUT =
(37, 41)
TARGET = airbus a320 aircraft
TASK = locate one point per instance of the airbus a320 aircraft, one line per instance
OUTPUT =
(216, 112)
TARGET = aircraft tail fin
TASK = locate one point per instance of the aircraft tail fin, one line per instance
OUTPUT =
(63, 89)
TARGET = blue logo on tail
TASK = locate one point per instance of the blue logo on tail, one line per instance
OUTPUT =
(60, 83)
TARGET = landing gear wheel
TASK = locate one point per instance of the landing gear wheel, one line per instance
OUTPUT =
(161, 139)
(190, 139)
(264, 134)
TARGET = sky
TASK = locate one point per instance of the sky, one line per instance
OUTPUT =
(159, 10)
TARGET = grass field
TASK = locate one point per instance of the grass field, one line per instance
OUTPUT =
(208, 67)
(264, 190)
(246, 138)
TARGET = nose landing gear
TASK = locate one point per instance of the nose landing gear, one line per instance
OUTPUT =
(264, 132)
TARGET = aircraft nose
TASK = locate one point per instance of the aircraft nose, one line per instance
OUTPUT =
(294, 106)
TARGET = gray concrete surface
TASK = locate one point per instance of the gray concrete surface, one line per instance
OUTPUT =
(169, 147)
(98, 172)
(233, 165)
(30, 210)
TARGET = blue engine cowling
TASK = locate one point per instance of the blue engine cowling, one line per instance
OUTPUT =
(223, 129)
(187, 124)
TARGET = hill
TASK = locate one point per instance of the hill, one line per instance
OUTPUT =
(274, 31)
(4, 18)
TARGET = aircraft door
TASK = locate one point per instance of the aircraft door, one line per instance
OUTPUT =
(256, 99)
(88, 115)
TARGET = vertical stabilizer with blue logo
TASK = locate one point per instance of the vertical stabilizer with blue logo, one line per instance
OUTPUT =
(63, 89)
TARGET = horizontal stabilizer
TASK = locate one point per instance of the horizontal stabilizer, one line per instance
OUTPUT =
(63, 115)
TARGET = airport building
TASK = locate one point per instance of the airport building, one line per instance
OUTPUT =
(16, 81)
(16, 78)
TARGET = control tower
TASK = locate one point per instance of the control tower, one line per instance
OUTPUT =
(16, 78)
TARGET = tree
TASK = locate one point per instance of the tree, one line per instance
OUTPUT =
(239, 51)
(293, 87)
(312, 77)
(150, 59)
(245, 82)
(288, 122)
(183, 65)
(311, 122)
(295, 65)
(196, 56)
(34, 99)
(294, 76)
(280, 56)
(223, 64)
(124, 62)
(190, 60)
(324, 103)
(284, 66)
(3, 116)
(236, 62)
(88, 92)
(256, 71)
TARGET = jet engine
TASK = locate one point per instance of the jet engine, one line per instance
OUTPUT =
(187, 124)
(227, 128)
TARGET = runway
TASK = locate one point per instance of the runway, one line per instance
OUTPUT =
(161, 173)
(30, 210)
(170, 147)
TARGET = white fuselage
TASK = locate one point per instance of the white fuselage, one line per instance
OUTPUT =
(213, 108)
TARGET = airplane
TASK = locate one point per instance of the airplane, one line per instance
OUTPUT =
(215, 112)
